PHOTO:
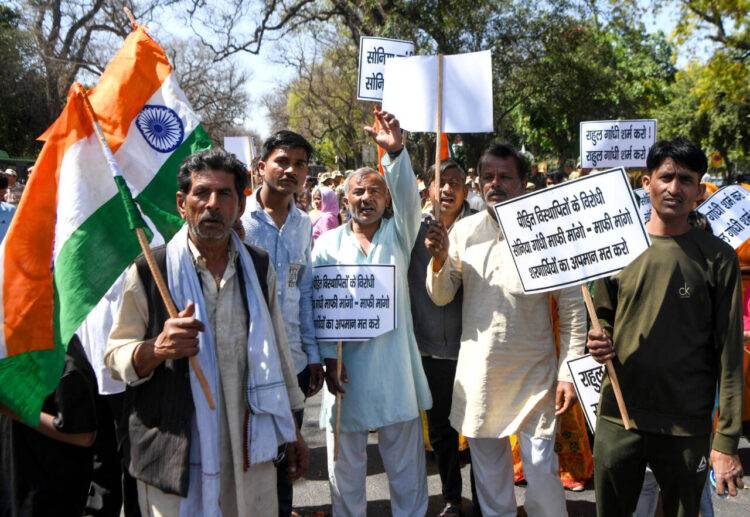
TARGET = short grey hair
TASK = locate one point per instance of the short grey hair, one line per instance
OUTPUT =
(362, 171)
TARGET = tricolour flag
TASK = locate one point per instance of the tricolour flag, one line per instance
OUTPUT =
(69, 242)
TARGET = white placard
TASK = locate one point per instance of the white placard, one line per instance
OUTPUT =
(728, 213)
(240, 147)
(574, 232)
(353, 302)
(587, 377)
(616, 143)
(373, 55)
(644, 202)
(411, 92)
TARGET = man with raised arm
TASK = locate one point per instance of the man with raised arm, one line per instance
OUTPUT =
(509, 380)
(672, 325)
(382, 379)
(187, 458)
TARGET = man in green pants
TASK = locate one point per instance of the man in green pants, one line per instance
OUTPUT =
(675, 318)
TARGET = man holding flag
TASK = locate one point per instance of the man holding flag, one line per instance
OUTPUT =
(183, 454)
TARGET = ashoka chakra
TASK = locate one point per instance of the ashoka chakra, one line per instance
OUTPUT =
(161, 127)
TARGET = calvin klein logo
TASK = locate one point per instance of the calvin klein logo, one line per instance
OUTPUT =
(684, 291)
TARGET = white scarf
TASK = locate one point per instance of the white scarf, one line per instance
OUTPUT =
(271, 421)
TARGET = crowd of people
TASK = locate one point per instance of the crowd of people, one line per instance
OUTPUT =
(483, 360)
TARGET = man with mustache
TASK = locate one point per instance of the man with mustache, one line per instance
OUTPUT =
(382, 379)
(509, 380)
(187, 458)
(273, 222)
(672, 326)
(438, 330)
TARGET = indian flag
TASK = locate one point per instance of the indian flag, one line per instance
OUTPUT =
(69, 242)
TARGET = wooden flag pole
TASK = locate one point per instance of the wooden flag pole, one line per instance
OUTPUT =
(610, 366)
(337, 430)
(439, 138)
(130, 15)
(143, 241)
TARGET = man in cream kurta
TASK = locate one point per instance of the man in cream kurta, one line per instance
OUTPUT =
(508, 372)
(245, 490)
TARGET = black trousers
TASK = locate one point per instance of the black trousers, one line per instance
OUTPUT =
(283, 486)
(679, 463)
(443, 438)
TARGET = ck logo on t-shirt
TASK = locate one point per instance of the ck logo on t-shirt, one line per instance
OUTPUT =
(685, 291)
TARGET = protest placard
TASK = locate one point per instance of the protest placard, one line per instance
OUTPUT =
(616, 143)
(587, 377)
(241, 148)
(573, 232)
(411, 92)
(373, 54)
(644, 203)
(728, 213)
(353, 302)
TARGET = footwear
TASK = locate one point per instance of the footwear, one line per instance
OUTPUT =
(451, 510)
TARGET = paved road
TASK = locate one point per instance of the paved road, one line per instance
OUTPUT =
(311, 493)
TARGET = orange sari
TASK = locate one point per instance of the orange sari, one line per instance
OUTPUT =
(571, 443)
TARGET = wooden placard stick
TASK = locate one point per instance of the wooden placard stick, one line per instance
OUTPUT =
(439, 139)
(610, 366)
(337, 429)
(142, 240)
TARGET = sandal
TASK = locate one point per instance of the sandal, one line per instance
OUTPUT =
(451, 510)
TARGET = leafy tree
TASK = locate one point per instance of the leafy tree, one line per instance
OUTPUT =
(590, 73)
(718, 90)
(23, 116)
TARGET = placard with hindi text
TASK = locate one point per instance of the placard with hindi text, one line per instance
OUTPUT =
(728, 213)
(353, 302)
(574, 232)
(373, 54)
(587, 377)
(616, 143)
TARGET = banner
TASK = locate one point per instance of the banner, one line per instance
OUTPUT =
(587, 377)
(728, 213)
(411, 92)
(616, 143)
(373, 54)
(353, 302)
(574, 232)
(644, 204)
(240, 147)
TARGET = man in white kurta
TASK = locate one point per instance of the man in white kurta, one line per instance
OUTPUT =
(508, 375)
(386, 383)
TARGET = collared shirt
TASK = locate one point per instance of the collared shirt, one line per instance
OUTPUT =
(7, 211)
(289, 251)
(229, 323)
(387, 384)
(507, 364)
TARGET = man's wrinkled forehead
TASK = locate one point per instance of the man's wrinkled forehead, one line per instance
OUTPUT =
(366, 179)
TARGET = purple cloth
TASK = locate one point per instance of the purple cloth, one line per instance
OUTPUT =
(328, 216)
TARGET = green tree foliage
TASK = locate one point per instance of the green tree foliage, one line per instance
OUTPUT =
(23, 114)
(590, 73)
(717, 91)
